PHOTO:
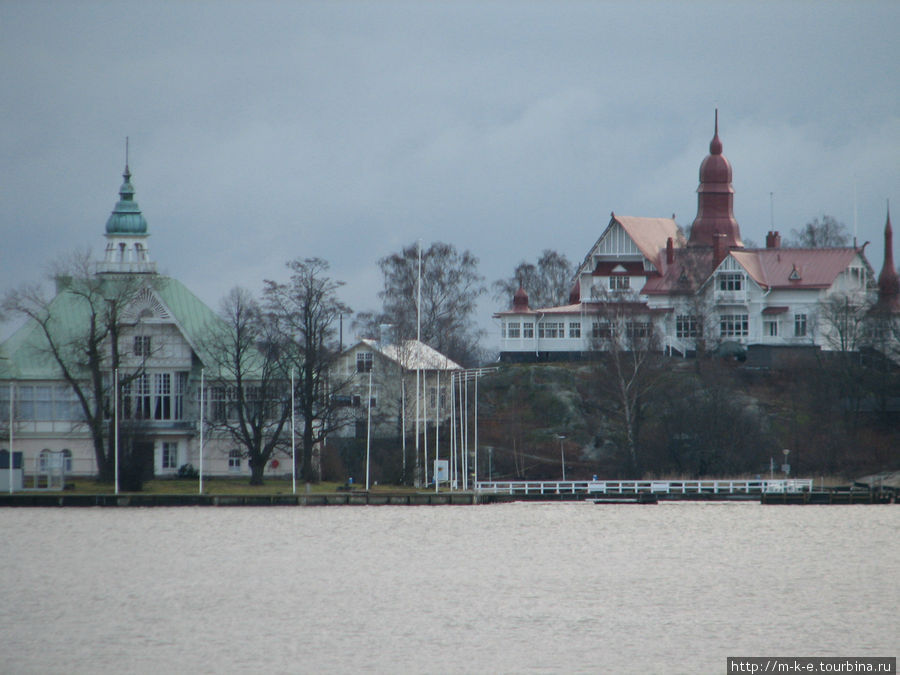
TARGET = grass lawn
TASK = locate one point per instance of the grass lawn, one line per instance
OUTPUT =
(219, 486)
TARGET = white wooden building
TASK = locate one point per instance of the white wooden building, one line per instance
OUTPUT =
(644, 279)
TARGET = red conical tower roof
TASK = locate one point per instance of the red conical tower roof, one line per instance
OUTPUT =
(520, 300)
(715, 200)
(888, 282)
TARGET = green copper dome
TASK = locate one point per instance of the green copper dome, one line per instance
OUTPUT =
(126, 217)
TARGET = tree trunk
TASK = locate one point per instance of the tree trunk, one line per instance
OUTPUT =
(256, 472)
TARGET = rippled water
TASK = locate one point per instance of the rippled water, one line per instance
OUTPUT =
(577, 587)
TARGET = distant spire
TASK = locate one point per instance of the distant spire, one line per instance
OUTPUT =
(888, 281)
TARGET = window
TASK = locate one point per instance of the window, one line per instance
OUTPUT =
(216, 402)
(800, 325)
(551, 329)
(136, 397)
(67, 460)
(574, 329)
(234, 460)
(638, 329)
(528, 330)
(41, 403)
(687, 326)
(733, 325)
(66, 403)
(770, 327)
(601, 329)
(731, 281)
(142, 345)
(170, 455)
(364, 362)
(512, 330)
(181, 384)
(162, 399)
(619, 283)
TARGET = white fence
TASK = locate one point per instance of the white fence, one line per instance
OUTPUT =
(677, 487)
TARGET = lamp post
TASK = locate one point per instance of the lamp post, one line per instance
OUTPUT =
(562, 456)
(786, 467)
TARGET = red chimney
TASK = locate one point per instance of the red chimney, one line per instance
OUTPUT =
(670, 251)
(720, 248)
(773, 240)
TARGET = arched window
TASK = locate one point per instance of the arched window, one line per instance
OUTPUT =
(44, 460)
(67, 460)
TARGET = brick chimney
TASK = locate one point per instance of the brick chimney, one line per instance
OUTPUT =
(670, 251)
(720, 248)
(773, 240)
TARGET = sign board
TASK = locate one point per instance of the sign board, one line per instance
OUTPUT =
(441, 470)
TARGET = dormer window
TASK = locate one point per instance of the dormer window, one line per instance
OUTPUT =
(731, 282)
(619, 279)
(795, 274)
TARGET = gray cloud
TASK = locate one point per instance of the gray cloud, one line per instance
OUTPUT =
(263, 131)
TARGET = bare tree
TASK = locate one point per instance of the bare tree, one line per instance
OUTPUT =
(80, 329)
(248, 387)
(630, 368)
(450, 290)
(305, 312)
(548, 283)
(825, 233)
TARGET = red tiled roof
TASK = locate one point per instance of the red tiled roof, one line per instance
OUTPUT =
(649, 234)
(689, 269)
(795, 267)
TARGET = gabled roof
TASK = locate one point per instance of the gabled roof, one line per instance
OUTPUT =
(649, 234)
(410, 354)
(25, 354)
(804, 268)
(690, 267)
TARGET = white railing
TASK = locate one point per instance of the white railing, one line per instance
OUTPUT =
(674, 487)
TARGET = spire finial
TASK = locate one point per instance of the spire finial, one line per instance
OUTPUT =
(715, 145)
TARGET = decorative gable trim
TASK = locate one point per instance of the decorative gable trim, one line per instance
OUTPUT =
(147, 307)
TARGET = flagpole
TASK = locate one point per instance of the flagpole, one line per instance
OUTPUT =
(202, 387)
(11, 449)
(418, 342)
(293, 441)
(369, 430)
(437, 426)
(116, 423)
(475, 486)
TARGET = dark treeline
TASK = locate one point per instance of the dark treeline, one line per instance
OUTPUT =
(695, 419)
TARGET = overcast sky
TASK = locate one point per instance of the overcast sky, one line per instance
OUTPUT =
(264, 131)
